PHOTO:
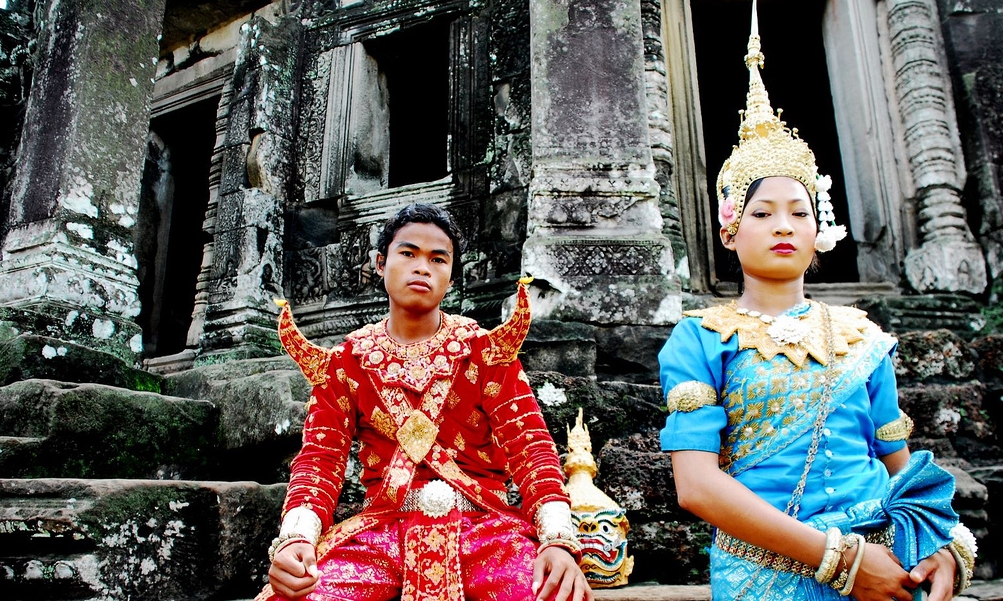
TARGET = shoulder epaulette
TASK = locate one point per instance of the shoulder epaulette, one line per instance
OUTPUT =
(313, 360)
(505, 340)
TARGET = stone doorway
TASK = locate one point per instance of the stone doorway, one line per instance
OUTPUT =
(797, 80)
(169, 232)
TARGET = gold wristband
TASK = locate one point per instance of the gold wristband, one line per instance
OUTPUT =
(965, 550)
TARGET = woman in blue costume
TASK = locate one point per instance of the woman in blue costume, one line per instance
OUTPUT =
(784, 424)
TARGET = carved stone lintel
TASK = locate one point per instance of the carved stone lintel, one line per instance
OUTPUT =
(605, 281)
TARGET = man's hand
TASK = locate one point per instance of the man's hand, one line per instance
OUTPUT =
(937, 569)
(564, 579)
(294, 571)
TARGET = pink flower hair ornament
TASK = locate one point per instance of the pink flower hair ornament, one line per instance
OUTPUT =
(726, 212)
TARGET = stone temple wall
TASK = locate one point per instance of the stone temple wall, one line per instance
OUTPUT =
(971, 33)
(119, 482)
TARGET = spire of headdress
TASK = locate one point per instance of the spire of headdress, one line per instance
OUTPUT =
(505, 340)
(312, 359)
(767, 148)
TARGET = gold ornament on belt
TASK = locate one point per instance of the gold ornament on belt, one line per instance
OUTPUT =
(601, 525)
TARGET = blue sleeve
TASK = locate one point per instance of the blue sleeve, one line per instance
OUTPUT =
(694, 358)
(883, 391)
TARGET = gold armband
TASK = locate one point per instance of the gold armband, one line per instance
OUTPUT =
(690, 396)
(898, 429)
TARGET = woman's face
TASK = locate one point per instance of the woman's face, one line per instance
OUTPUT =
(776, 236)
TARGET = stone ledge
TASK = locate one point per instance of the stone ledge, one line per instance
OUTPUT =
(981, 590)
(654, 592)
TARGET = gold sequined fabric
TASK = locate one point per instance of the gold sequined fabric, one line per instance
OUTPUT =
(899, 429)
(849, 326)
(690, 396)
(418, 364)
(505, 341)
(313, 360)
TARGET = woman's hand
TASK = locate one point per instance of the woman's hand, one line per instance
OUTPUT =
(294, 571)
(880, 576)
(939, 570)
(565, 580)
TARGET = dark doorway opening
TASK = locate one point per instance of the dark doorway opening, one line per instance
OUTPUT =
(797, 80)
(415, 62)
(169, 234)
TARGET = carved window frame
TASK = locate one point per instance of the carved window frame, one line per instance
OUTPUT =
(343, 32)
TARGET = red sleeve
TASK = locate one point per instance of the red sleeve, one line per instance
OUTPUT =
(318, 471)
(518, 428)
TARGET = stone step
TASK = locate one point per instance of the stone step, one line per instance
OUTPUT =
(67, 577)
(74, 539)
(654, 592)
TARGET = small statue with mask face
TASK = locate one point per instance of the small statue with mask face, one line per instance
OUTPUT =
(601, 524)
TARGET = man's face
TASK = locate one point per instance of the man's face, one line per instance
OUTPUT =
(417, 270)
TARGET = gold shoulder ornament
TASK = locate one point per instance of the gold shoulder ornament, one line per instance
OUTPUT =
(505, 340)
(313, 359)
(795, 337)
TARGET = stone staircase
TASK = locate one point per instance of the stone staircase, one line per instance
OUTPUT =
(112, 492)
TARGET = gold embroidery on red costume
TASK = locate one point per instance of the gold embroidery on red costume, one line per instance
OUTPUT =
(506, 340)
(312, 359)
(389, 386)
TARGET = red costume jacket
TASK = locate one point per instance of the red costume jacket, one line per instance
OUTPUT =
(456, 407)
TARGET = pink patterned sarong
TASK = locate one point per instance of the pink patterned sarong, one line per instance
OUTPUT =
(399, 559)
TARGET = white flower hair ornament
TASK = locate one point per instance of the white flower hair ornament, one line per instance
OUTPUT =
(828, 232)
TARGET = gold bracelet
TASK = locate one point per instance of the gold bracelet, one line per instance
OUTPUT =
(965, 550)
(852, 576)
(830, 559)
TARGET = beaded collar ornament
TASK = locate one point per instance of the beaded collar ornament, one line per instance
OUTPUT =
(767, 148)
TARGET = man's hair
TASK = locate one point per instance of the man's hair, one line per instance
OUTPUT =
(424, 213)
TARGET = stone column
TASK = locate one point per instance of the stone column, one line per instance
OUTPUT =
(66, 265)
(234, 315)
(948, 258)
(595, 238)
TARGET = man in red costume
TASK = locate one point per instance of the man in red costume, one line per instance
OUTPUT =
(445, 417)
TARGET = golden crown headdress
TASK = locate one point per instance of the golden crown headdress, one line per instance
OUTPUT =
(767, 148)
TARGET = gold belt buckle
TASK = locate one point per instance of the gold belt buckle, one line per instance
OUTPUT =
(436, 498)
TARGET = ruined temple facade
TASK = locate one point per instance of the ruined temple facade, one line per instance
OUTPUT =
(169, 167)
(180, 165)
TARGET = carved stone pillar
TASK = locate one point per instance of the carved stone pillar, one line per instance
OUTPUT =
(595, 229)
(234, 315)
(67, 265)
(948, 258)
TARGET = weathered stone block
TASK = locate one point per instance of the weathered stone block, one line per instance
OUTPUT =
(630, 353)
(135, 539)
(261, 412)
(611, 409)
(25, 356)
(957, 313)
(936, 355)
(96, 431)
(566, 347)
(989, 358)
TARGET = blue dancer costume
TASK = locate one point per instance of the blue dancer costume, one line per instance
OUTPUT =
(732, 389)
(802, 406)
